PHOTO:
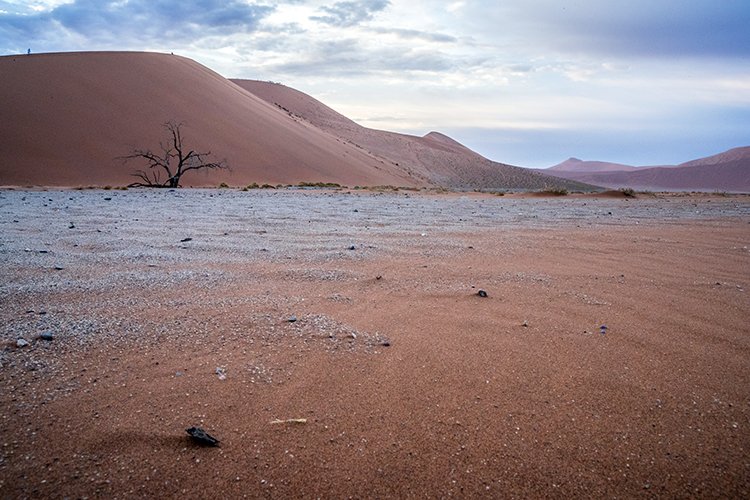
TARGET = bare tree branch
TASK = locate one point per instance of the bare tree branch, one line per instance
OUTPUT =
(170, 153)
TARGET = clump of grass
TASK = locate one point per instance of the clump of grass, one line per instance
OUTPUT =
(628, 192)
(556, 191)
(319, 184)
(223, 185)
(255, 185)
(108, 188)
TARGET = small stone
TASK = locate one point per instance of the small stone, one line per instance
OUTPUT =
(356, 211)
(525, 324)
(47, 336)
(482, 293)
(292, 319)
(202, 437)
(72, 226)
(59, 268)
(22, 343)
(385, 344)
(352, 247)
(185, 240)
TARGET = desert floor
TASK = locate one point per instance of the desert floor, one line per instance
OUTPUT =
(410, 383)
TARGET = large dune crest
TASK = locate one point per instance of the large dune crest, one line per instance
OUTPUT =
(66, 118)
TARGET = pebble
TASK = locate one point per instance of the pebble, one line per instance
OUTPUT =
(184, 240)
(202, 437)
(482, 293)
(292, 319)
(22, 343)
(352, 247)
(47, 336)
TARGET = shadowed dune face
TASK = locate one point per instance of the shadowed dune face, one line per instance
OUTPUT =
(434, 158)
(67, 117)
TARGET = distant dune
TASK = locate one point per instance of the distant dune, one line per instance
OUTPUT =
(576, 165)
(67, 117)
(727, 171)
(732, 155)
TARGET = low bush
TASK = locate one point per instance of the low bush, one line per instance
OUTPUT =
(556, 191)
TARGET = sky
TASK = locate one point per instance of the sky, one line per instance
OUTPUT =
(525, 82)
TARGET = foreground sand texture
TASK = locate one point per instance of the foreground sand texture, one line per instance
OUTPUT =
(409, 383)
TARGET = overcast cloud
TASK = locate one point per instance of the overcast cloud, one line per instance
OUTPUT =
(529, 82)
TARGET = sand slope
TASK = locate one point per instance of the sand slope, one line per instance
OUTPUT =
(66, 117)
(727, 171)
(577, 165)
(465, 402)
(434, 158)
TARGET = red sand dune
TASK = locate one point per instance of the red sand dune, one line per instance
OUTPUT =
(735, 154)
(577, 165)
(67, 118)
(727, 171)
(434, 158)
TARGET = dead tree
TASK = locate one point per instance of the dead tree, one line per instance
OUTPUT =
(173, 161)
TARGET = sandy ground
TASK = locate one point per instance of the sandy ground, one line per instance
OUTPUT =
(410, 383)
